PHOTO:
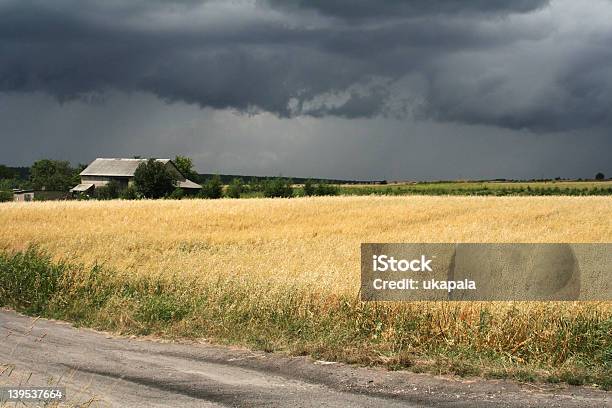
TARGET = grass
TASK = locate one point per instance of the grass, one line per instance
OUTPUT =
(283, 275)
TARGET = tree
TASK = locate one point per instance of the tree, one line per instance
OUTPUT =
(234, 189)
(11, 183)
(600, 176)
(7, 173)
(76, 174)
(308, 188)
(185, 166)
(9, 179)
(51, 175)
(153, 180)
(254, 185)
(278, 187)
(323, 189)
(213, 188)
(320, 189)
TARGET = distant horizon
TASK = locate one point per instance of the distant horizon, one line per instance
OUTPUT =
(388, 180)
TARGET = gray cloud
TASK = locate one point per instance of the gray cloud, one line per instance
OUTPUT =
(367, 9)
(509, 64)
(264, 144)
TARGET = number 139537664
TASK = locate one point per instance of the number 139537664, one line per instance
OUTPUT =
(21, 393)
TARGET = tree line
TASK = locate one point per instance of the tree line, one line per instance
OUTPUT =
(153, 180)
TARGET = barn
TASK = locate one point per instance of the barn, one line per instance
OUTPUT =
(102, 171)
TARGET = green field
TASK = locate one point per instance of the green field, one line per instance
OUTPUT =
(494, 188)
(461, 188)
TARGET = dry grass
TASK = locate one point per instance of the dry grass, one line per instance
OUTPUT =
(261, 247)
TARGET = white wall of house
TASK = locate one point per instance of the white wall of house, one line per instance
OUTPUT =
(23, 196)
(99, 181)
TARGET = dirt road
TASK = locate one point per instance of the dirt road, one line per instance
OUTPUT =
(114, 371)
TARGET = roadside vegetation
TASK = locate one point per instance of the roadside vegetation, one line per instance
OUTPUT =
(283, 275)
(525, 341)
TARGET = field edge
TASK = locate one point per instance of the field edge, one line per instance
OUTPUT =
(296, 322)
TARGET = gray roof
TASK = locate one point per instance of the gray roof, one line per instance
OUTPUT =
(115, 167)
(188, 184)
(81, 187)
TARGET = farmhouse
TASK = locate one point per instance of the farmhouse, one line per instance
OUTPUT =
(102, 171)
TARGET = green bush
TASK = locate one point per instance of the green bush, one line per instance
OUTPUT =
(129, 193)
(255, 186)
(309, 189)
(235, 188)
(177, 194)
(320, 189)
(109, 191)
(6, 196)
(212, 189)
(323, 189)
(278, 187)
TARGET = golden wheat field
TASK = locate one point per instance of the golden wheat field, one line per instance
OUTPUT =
(283, 275)
(311, 241)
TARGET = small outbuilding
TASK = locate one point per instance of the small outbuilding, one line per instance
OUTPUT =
(23, 195)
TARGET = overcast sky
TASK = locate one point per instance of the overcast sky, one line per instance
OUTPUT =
(422, 89)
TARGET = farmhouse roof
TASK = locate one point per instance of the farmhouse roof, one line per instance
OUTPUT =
(115, 167)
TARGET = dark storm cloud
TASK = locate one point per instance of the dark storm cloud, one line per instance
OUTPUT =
(442, 60)
(366, 9)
